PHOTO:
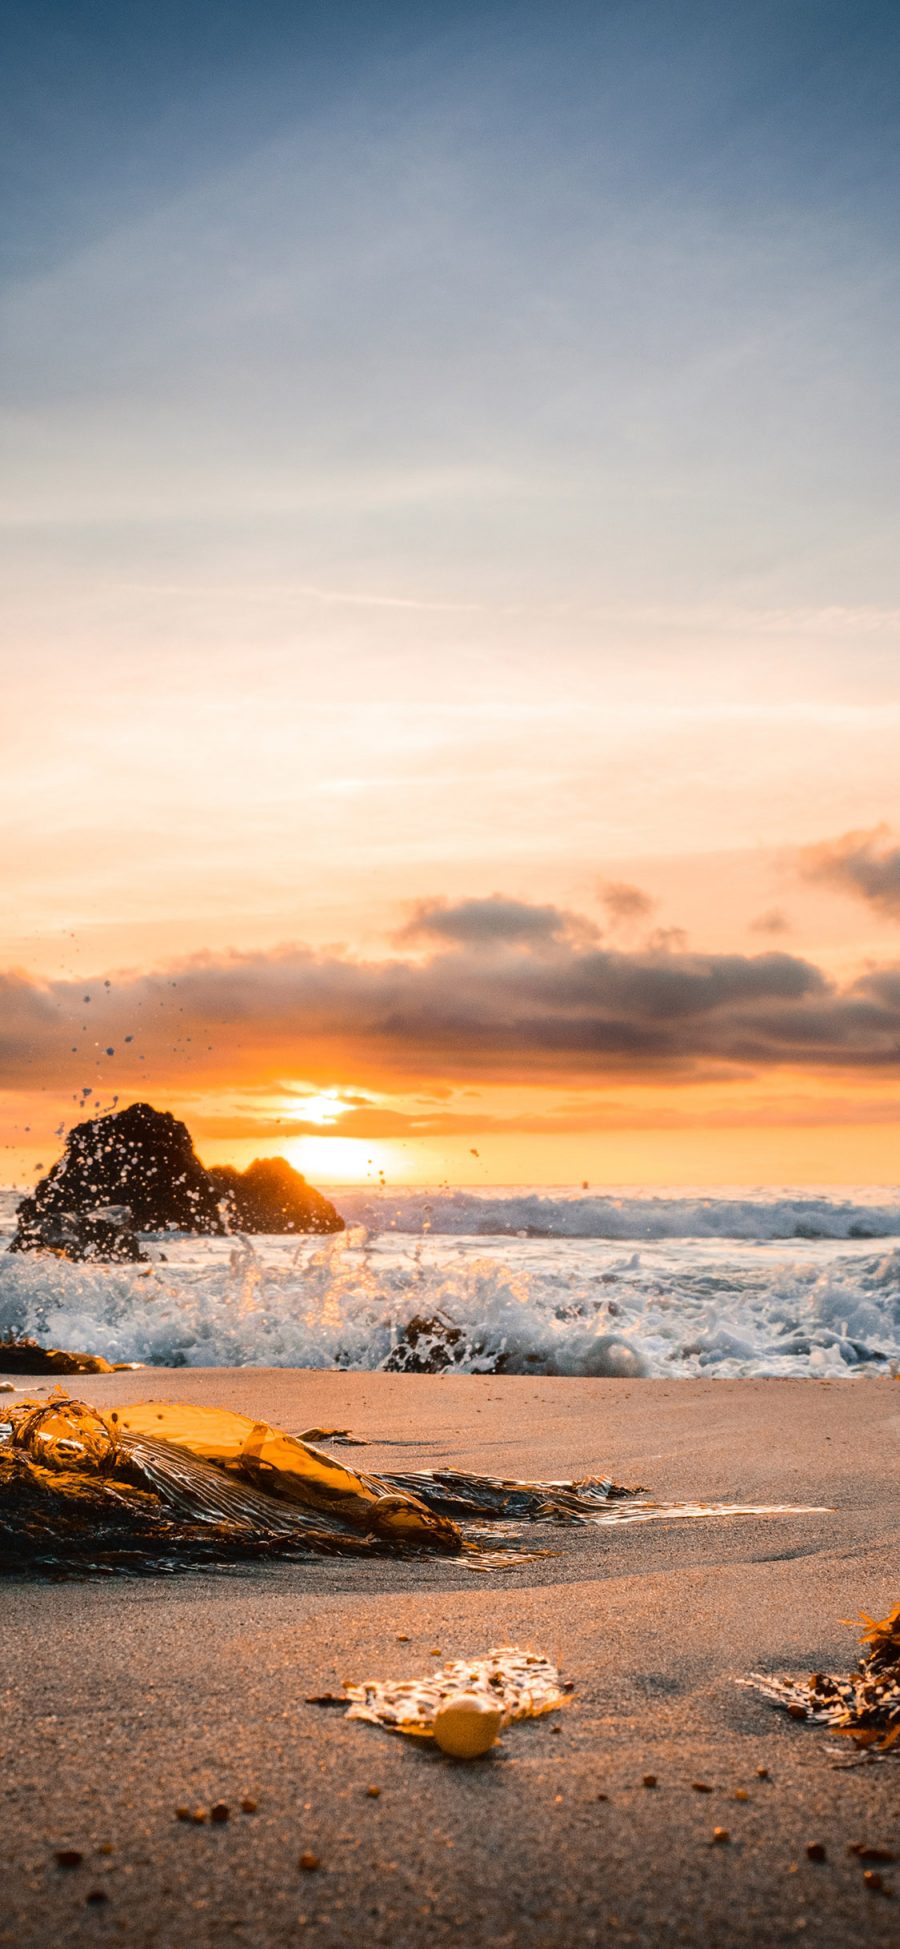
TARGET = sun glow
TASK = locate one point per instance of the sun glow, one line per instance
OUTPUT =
(324, 1108)
(346, 1160)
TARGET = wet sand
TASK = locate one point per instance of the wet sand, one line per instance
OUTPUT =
(125, 1698)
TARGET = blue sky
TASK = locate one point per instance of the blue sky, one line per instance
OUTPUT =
(451, 452)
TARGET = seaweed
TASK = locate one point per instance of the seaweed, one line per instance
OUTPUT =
(158, 1483)
(863, 1705)
(523, 1684)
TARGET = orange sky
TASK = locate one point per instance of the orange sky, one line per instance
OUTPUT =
(452, 481)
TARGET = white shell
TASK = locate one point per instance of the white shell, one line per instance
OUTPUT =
(467, 1724)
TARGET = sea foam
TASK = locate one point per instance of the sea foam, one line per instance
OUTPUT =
(769, 1284)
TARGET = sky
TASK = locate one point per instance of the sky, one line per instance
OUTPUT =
(450, 586)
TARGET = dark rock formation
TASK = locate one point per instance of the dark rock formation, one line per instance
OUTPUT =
(26, 1357)
(138, 1171)
(427, 1346)
(272, 1197)
(142, 1158)
(106, 1234)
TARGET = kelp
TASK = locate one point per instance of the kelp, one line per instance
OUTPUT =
(523, 1684)
(161, 1483)
(864, 1705)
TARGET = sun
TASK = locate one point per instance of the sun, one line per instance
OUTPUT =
(324, 1108)
(346, 1160)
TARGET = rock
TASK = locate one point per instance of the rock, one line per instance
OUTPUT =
(137, 1171)
(140, 1157)
(71, 1236)
(26, 1357)
(272, 1197)
(427, 1347)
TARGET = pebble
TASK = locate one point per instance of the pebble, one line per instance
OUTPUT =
(466, 1725)
(95, 1896)
(373, 1792)
(720, 1835)
(762, 1772)
(219, 1813)
(309, 1861)
(649, 1779)
(815, 1851)
(69, 1857)
(248, 1804)
(701, 1786)
(740, 1793)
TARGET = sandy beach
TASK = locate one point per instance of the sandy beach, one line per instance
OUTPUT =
(124, 1698)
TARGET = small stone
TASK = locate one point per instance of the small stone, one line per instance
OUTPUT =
(873, 1880)
(96, 1896)
(106, 1847)
(219, 1813)
(197, 1815)
(373, 1792)
(402, 1637)
(248, 1804)
(740, 1793)
(467, 1724)
(701, 1786)
(69, 1857)
(815, 1851)
(720, 1836)
(309, 1861)
(603, 1796)
(762, 1772)
(649, 1779)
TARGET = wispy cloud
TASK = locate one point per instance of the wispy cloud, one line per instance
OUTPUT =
(862, 863)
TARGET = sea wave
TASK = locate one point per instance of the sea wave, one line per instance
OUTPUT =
(563, 1306)
(545, 1213)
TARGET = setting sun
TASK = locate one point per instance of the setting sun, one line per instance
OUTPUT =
(324, 1108)
(345, 1160)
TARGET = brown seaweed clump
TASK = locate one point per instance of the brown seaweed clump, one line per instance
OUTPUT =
(153, 1485)
(159, 1483)
(863, 1706)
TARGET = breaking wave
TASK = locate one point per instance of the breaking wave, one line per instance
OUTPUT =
(511, 1283)
(534, 1213)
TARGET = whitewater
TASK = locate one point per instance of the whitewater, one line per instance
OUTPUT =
(515, 1280)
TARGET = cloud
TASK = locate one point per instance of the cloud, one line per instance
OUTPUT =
(773, 921)
(488, 923)
(560, 1007)
(625, 904)
(862, 863)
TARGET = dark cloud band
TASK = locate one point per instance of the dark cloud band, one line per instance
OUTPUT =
(490, 1001)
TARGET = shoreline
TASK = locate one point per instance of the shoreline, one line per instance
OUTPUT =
(127, 1697)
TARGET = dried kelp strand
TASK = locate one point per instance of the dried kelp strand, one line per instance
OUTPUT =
(863, 1705)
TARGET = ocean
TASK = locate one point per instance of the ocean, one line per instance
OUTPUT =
(515, 1279)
